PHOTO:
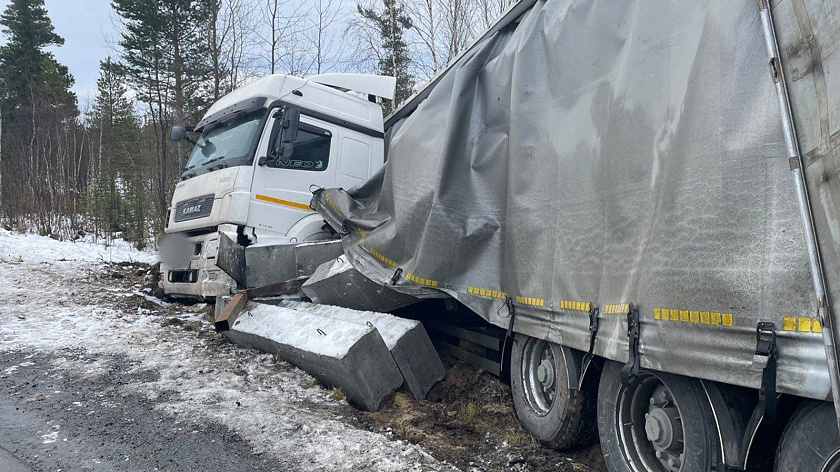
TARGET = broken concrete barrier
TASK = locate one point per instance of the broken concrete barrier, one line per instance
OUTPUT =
(338, 353)
(407, 340)
(336, 282)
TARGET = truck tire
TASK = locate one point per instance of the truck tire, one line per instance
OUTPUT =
(557, 416)
(810, 440)
(659, 423)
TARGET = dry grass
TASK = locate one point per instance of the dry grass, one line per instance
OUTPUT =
(337, 395)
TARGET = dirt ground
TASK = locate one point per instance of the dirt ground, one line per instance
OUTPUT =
(467, 419)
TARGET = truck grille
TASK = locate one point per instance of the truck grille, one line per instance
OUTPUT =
(192, 209)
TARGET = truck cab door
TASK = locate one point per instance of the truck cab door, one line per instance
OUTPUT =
(281, 188)
(356, 164)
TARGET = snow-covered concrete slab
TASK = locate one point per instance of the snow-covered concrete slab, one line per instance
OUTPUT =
(337, 283)
(407, 340)
(351, 356)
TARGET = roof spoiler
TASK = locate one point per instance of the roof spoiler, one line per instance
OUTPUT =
(378, 85)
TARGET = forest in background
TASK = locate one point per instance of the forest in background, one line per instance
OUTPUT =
(103, 165)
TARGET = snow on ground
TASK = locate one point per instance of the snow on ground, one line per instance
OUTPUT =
(32, 248)
(52, 302)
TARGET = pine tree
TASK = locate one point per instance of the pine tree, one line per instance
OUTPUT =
(392, 22)
(112, 108)
(115, 169)
(25, 68)
(37, 109)
(167, 62)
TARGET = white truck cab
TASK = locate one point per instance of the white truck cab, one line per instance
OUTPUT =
(246, 178)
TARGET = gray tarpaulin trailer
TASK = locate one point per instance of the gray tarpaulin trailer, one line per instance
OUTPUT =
(620, 184)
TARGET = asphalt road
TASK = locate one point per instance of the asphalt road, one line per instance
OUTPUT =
(53, 421)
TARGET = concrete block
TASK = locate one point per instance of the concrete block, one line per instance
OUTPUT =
(337, 283)
(338, 353)
(309, 256)
(407, 340)
(270, 263)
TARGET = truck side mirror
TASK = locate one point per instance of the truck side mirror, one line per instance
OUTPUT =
(291, 125)
(288, 133)
(177, 133)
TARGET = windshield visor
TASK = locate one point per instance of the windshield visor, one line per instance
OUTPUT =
(228, 143)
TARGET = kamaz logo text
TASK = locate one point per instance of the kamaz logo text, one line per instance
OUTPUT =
(191, 209)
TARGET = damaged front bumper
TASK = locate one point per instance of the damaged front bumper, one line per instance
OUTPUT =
(188, 268)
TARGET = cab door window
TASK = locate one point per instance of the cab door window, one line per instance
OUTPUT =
(311, 150)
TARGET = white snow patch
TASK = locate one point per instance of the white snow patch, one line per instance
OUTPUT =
(390, 327)
(337, 266)
(32, 248)
(51, 437)
(307, 331)
(155, 300)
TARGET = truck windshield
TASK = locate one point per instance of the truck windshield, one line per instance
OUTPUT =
(226, 144)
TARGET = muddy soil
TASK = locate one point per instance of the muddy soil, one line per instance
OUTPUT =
(468, 420)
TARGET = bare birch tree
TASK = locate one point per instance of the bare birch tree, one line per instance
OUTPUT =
(326, 45)
(424, 15)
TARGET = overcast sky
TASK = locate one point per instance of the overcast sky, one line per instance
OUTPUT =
(87, 28)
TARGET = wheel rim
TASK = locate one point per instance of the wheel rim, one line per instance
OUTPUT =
(539, 377)
(650, 426)
(833, 463)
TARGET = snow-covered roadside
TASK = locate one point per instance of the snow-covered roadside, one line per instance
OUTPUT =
(51, 302)
(31, 248)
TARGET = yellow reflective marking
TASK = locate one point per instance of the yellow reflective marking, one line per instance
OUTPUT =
(280, 201)
(691, 316)
(789, 323)
(333, 206)
(616, 309)
(816, 326)
(574, 305)
(805, 324)
(533, 301)
(421, 280)
(382, 258)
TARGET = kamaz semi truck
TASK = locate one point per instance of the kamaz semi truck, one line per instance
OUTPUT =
(259, 152)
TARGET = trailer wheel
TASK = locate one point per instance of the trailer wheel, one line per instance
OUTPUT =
(557, 416)
(659, 423)
(810, 440)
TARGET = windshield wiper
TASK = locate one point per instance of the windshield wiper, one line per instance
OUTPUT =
(217, 158)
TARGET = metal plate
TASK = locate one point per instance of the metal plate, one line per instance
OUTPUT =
(194, 208)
